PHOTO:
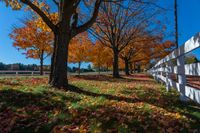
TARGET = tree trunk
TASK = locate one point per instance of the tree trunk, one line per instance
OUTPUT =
(107, 67)
(52, 58)
(99, 69)
(41, 62)
(131, 67)
(60, 57)
(79, 68)
(116, 64)
(126, 66)
(139, 68)
(134, 64)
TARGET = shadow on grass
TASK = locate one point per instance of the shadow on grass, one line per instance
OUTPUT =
(35, 112)
(29, 112)
(109, 78)
(107, 96)
(167, 101)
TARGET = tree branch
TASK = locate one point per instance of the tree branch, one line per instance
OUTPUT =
(56, 2)
(88, 24)
(41, 14)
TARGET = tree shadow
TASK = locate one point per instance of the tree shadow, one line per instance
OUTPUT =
(75, 89)
(142, 75)
(167, 101)
(29, 112)
(144, 97)
(109, 78)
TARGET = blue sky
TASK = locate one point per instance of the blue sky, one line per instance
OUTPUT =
(189, 24)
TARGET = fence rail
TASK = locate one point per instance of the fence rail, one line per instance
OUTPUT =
(35, 73)
(165, 68)
(25, 73)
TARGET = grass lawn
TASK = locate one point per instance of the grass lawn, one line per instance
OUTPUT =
(97, 104)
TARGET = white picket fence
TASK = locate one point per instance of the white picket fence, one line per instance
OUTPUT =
(163, 70)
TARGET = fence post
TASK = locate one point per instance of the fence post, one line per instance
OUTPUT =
(162, 66)
(168, 77)
(157, 73)
(153, 72)
(181, 77)
(161, 73)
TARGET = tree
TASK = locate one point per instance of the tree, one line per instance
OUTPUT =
(34, 41)
(160, 50)
(79, 49)
(101, 56)
(189, 59)
(118, 25)
(89, 67)
(127, 54)
(72, 20)
(153, 51)
(2, 66)
(67, 27)
(135, 48)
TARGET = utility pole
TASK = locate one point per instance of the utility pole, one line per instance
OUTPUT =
(176, 23)
(180, 60)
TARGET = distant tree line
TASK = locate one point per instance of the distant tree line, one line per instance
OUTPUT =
(20, 66)
(34, 67)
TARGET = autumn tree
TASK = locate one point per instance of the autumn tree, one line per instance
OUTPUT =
(127, 54)
(160, 50)
(67, 27)
(152, 51)
(34, 41)
(118, 25)
(137, 46)
(80, 49)
(72, 20)
(101, 56)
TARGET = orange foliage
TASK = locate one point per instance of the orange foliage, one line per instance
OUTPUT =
(101, 56)
(32, 39)
(153, 50)
(163, 49)
(80, 48)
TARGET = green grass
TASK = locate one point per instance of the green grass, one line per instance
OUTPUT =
(94, 104)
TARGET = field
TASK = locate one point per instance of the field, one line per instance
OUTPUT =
(94, 103)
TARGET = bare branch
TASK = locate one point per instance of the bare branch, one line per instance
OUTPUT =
(88, 24)
(56, 2)
(150, 3)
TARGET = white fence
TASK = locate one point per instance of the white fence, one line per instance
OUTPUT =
(35, 73)
(163, 70)
(22, 73)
